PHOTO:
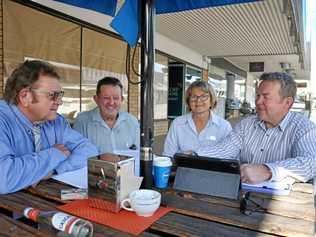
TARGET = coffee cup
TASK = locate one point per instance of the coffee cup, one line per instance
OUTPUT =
(162, 167)
(144, 202)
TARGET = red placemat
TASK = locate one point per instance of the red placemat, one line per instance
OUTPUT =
(123, 220)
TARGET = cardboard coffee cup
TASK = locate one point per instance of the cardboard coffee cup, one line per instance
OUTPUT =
(162, 167)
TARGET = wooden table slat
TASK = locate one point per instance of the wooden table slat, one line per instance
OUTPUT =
(182, 225)
(198, 215)
(10, 227)
(262, 222)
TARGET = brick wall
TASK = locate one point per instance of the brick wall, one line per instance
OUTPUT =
(161, 127)
(1, 50)
(134, 90)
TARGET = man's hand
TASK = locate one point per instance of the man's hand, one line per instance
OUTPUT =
(254, 174)
(63, 149)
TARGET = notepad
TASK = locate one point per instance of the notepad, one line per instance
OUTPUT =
(283, 187)
(77, 178)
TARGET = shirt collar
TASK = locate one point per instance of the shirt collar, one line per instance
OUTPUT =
(282, 125)
(20, 116)
(285, 121)
(96, 116)
(214, 119)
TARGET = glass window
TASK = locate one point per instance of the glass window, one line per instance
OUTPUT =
(102, 56)
(161, 87)
(219, 86)
(30, 34)
(192, 74)
(240, 88)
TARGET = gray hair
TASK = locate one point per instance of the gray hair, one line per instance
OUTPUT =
(287, 83)
(25, 76)
(205, 87)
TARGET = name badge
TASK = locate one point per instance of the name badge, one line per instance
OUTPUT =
(212, 138)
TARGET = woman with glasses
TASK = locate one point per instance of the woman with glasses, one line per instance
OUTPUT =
(201, 126)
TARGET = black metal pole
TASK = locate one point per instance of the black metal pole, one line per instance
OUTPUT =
(146, 101)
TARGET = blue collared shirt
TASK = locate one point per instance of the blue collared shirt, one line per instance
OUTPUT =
(122, 136)
(183, 136)
(288, 149)
(20, 165)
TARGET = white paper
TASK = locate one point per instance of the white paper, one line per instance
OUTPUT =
(282, 187)
(286, 183)
(77, 178)
(129, 182)
(133, 153)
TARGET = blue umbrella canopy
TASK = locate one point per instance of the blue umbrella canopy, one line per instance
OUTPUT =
(127, 21)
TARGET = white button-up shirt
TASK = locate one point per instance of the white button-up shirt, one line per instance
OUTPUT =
(183, 136)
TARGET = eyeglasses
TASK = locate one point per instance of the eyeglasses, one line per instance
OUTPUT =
(248, 206)
(201, 98)
(52, 95)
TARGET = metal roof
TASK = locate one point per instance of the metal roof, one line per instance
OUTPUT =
(261, 31)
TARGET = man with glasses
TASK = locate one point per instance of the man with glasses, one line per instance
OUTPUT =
(35, 140)
(106, 126)
(275, 143)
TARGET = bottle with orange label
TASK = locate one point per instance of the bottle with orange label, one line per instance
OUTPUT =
(69, 224)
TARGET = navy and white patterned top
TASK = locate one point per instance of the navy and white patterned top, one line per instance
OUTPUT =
(288, 149)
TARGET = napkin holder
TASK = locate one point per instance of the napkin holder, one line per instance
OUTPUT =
(111, 178)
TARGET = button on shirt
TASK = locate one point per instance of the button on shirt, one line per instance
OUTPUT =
(288, 149)
(122, 136)
(183, 136)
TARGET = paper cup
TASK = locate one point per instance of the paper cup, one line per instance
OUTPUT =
(162, 168)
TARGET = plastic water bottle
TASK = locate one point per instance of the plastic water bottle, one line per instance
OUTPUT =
(71, 225)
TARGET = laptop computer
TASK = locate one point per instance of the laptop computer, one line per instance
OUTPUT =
(206, 175)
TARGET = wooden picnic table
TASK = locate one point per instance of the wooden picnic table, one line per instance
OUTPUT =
(192, 215)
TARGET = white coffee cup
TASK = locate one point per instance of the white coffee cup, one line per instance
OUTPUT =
(144, 202)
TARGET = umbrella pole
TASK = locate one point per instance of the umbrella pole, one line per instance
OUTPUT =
(146, 101)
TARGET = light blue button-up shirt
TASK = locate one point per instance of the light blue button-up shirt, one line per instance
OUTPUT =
(122, 136)
(183, 136)
(20, 165)
(288, 149)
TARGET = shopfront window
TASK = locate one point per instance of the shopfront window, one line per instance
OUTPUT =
(192, 74)
(30, 34)
(240, 88)
(161, 87)
(102, 56)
